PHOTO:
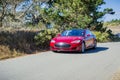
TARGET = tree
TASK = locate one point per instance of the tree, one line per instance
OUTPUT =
(15, 10)
(8, 9)
(75, 13)
(61, 13)
(67, 14)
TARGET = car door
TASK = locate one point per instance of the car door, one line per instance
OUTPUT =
(88, 39)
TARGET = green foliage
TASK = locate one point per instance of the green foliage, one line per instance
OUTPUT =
(75, 13)
(67, 14)
(43, 38)
(102, 37)
(106, 36)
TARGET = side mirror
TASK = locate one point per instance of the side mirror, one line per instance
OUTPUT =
(88, 35)
(58, 34)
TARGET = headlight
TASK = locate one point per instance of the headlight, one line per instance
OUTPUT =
(53, 41)
(76, 41)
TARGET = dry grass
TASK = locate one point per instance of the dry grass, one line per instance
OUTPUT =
(6, 53)
(115, 29)
(15, 43)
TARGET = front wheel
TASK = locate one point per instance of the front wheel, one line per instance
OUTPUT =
(83, 47)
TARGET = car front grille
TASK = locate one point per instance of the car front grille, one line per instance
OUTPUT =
(62, 45)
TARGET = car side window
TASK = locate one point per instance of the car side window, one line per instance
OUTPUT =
(88, 32)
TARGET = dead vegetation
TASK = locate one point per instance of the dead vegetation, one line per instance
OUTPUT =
(17, 42)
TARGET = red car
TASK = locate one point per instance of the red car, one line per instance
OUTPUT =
(74, 40)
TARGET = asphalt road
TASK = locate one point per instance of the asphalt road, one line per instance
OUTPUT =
(98, 64)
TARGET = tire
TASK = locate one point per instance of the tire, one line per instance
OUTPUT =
(95, 44)
(54, 51)
(83, 47)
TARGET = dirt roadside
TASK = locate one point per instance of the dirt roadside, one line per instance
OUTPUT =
(115, 29)
(116, 76)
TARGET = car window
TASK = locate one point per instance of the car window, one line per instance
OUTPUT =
(88, 32)
(73, 33)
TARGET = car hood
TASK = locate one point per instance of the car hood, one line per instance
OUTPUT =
(67, 39)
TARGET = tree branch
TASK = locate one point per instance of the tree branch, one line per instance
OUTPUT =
(25, 11)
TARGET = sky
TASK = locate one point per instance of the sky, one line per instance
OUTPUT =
(115, 5)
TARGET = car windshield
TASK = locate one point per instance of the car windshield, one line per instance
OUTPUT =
(73, 33)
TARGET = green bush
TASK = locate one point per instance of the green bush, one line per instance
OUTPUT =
(43, 38)
(102, 37)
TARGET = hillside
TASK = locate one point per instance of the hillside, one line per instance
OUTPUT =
(114, 25)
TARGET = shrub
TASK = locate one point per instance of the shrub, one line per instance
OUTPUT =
(106, 36)
(20, 40)
(43, 38)
(102, 37)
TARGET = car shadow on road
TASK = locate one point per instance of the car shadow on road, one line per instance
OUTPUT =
(88, 51)
(96, 50)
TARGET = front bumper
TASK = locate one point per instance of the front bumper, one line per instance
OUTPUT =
(73, 47)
